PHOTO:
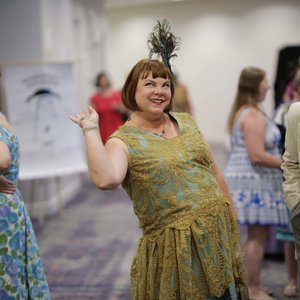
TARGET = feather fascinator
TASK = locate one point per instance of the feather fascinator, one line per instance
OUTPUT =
(163, 42)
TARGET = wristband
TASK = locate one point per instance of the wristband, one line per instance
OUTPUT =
(88, 128)
(88, 119)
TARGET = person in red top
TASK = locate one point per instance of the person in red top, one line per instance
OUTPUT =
(108, 104)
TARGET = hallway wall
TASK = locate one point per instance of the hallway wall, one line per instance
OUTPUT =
(42, 31)
(20, 34)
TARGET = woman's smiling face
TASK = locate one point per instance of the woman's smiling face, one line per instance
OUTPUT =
(153, 94)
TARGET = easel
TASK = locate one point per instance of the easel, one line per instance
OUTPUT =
(38, 180)
(49, 154)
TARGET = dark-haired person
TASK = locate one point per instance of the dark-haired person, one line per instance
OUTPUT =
(253, 172)
(190, 248)
(108, 104)
(21, 269)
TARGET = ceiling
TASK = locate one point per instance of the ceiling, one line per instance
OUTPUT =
(111, 4)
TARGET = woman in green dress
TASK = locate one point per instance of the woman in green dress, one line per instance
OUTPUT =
(190, 247)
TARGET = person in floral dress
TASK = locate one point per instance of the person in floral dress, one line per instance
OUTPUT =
(22, 275)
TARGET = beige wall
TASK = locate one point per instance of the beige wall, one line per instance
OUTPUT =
(219, 38)
(53, 31)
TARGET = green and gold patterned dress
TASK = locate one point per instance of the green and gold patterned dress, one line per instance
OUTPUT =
(190, 248)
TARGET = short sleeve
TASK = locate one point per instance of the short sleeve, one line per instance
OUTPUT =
(4, 137)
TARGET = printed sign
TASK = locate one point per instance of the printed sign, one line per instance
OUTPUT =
(39, 100)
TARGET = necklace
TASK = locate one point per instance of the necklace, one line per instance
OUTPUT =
(161, 134)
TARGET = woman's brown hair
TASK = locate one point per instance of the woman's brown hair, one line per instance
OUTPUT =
(98, 78)
(141, 70)
(247, 91)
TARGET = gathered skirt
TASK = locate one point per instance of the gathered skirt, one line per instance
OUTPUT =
(202, 261)
(22, 275)
(256, 191)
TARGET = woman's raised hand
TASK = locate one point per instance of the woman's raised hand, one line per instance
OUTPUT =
(86, 118)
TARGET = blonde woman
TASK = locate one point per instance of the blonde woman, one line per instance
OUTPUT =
(253, 172)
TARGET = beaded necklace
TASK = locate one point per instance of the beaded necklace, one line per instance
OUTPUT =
(161, 134)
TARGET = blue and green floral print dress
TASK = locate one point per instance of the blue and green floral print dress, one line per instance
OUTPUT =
(21, 270)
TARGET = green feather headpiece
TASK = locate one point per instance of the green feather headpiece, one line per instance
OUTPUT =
(163, 42)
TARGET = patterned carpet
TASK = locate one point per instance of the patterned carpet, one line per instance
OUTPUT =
(87, 252)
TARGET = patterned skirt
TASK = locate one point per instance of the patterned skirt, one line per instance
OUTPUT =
(203, 261)
(21, 268)
(257, 193)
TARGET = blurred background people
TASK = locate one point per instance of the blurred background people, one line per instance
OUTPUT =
(22, 275)
(181, 98)
(287, 64)
(290, 94)
(280, 116)
(108, 104)
(253, 172)
(286, 234)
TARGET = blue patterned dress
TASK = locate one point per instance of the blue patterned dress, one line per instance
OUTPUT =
(256, 190)
(21, 271)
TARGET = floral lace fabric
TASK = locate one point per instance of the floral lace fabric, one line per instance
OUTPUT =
(190, 247)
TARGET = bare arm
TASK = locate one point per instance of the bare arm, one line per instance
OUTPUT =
(253, 126)
(290, 166)
(6, 186)
(5, 157)
(107, 164)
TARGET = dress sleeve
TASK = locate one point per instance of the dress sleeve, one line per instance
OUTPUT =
(290, 165)
(4, 136)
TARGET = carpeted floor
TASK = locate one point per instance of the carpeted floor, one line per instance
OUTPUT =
(87, 252)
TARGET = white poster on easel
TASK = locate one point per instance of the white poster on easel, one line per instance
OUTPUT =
(39, 100)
